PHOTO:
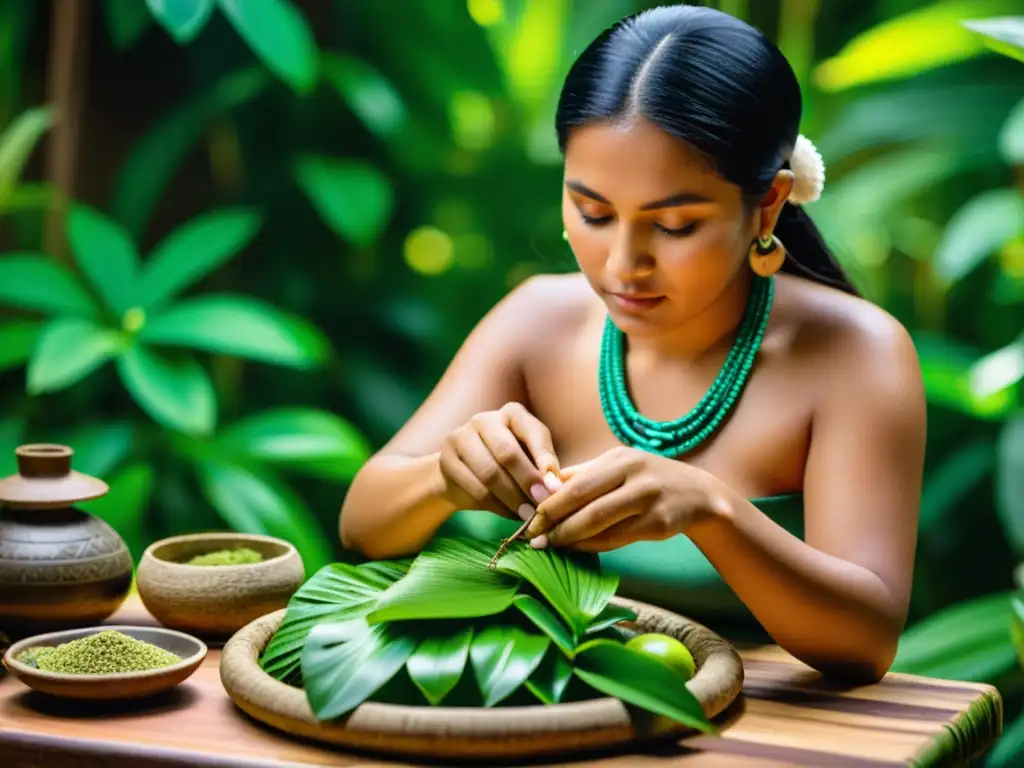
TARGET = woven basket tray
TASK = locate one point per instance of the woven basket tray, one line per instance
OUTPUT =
(465, 732)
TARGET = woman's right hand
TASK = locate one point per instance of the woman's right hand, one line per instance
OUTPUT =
(500, 461)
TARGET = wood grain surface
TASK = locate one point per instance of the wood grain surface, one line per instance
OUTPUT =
(787, 715)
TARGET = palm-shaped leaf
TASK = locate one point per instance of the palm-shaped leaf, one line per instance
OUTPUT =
(448, 581)
(38, 283)
(546, 621)
(241, 327)
(106, 255)
(638, 679)
(549, 681)
(68, 350)
(609, 617)
(503, 657)
(193, 251)
(175, 392)
(345, 663)
(337, 592)
(439, 661)
(573, 583)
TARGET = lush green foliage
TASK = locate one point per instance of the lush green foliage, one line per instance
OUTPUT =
(916, 107)
(449, 619)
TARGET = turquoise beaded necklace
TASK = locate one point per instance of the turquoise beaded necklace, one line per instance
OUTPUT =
(674, 438)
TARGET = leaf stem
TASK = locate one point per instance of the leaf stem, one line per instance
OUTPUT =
(509, 540)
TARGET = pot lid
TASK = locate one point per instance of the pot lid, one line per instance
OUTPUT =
(45, 479)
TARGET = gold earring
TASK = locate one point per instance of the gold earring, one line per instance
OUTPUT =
(767, 255)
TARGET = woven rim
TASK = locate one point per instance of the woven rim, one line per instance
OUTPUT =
(476, 732)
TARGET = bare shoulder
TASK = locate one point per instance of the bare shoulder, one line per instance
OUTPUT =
(552, 308)
(852, 345)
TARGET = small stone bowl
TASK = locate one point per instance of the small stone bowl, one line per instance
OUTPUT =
(124, 685)
(215, 601)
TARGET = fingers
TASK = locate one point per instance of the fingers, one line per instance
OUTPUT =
(508, 453)
(534, 435)
(469, 492)
(581, 489)
(603, 513)
(619, 535)
(482, 463)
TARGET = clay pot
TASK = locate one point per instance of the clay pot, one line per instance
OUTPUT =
(60, 567)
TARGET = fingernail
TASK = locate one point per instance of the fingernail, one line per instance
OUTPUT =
(525, 512)
(552, 482)
(538, 492)
(539, 542)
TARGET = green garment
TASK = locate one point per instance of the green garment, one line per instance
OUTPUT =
(673, 574)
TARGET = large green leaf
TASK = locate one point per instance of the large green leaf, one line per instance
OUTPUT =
(337, 592)
(503, 657)
(314, 442)
(439, 661)
(946, 367)
(923, 39)
(100, 447)
(638, 679)
(949, 484)
(572, 582)
(547, 622)
(277, 32)
(966, 641)
(345, 663)
(38, 283)
(16, 145)
(127, 20)
(984, 224)
(193, 251)
(367, 93)
(17, 338)
(1017, 624)
(452, 567)
(1008, 750)
(240, 327)
(126, 507)
(353, 198)
(551, 678)
(610, 616)
(1011, 136)
(251, 501)
(1005, 35)
(154, 159)
(106, 255)
(1010, 482)
(68, 350)
(183, 19)
(174, 391)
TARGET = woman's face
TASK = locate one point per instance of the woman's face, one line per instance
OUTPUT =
(658, 235)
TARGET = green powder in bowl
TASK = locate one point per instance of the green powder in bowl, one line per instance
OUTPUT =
(104, 653)
(239, 556)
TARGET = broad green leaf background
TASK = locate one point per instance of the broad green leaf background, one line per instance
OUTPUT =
(285, 217)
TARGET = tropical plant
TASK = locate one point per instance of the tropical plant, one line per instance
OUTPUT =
(539, 626)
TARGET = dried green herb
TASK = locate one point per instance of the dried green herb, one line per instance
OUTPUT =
(239, 556)
(104, 653)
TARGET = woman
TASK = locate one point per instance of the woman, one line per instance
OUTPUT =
(708, 404)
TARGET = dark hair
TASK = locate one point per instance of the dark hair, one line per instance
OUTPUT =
(717, 84)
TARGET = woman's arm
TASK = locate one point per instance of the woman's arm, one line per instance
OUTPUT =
(399, 498)
(838, 600)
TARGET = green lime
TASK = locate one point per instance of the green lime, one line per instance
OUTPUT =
(666, 648)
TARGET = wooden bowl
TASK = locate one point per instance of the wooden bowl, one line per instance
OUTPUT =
(216, 601)
(125, 685)
(478, 733)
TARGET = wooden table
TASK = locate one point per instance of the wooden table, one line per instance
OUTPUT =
(786, 716)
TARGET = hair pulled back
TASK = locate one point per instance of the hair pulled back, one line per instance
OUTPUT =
(717, 84)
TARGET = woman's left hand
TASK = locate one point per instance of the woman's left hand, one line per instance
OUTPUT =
(622, 496)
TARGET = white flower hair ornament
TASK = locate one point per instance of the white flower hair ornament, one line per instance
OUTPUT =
(809, 171)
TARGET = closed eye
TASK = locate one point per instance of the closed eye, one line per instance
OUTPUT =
(689, 229)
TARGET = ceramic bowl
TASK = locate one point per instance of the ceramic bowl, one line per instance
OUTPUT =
(215, 601)
(126, 685)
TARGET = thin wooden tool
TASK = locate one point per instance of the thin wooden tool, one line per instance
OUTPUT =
(509, 540)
